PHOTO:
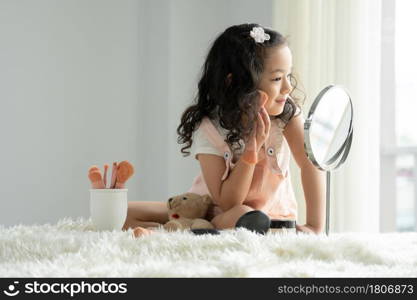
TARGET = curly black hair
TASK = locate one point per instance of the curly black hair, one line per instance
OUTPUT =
(230, 101)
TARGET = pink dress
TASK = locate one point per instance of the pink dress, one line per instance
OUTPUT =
(271, 190)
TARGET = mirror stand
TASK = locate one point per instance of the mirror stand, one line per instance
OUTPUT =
(342, 155)
(327, 202)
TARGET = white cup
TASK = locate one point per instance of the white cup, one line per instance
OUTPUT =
(108, 208)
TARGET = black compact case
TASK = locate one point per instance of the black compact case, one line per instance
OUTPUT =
(278, 224)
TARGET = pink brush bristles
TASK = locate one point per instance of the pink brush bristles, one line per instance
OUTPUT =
(124, 172)
(94, 175)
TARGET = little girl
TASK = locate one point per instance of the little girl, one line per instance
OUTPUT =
(241, 129)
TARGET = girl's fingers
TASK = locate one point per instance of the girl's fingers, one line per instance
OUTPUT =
(253, 134)
(251, 144)
(267, 121)
(260, 130)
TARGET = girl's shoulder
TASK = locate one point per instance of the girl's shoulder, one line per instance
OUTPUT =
(217, 132)
(222, 131)
(219, 129)
(207, 137)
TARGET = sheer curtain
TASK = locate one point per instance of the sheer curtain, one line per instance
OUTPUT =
(338, 42)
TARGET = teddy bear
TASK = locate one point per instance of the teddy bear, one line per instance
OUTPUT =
(185, 211)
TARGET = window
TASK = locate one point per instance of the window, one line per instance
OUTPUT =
(406, 109)
(398, 129)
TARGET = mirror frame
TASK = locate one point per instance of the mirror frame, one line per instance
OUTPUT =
(341, 154)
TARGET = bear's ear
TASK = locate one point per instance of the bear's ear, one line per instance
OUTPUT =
(207, 199)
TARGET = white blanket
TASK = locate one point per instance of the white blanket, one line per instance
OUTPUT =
(72, 248)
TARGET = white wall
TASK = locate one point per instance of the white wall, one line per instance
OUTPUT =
(69, 97)
(92, 82)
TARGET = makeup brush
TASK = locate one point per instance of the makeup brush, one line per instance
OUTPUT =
(263, 98)
(113, 175)
(125, 170)
(94, 168)
(94, 175)
(106, 166)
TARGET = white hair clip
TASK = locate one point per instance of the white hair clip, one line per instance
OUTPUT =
(259, 35)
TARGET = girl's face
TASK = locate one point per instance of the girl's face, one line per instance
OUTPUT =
(275, 79)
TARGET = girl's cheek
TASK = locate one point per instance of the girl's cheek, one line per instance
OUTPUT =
(277, 90)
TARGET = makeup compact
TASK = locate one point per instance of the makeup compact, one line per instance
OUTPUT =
(282, 226)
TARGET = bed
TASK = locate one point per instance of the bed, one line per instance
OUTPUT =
(73, 248)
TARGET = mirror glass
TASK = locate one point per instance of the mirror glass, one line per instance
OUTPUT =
(329, 125)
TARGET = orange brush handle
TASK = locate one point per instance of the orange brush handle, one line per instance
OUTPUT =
(106, 166)
(113, 175)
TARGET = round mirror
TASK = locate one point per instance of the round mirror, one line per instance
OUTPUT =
(328, 133)
(329, 128)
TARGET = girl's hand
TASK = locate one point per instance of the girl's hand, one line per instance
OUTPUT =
(259, 134)
(262, 127)
(304, 229)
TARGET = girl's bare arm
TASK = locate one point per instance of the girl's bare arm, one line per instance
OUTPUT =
(235, 188)
(313, 179)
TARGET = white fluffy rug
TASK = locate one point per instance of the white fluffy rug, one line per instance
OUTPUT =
(71, 248)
